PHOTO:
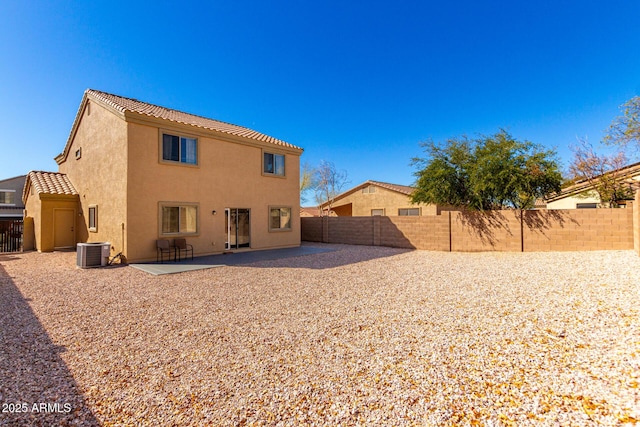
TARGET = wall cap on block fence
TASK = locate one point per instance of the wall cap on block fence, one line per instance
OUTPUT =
(504, 230)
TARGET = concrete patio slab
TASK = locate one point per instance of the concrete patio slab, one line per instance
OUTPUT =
(236, 258)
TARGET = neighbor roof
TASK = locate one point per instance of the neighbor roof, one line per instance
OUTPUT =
(625, 174)
(403, 189)
(130, 105)
(48, 183)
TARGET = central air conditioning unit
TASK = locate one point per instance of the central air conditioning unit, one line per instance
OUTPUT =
(93, 254)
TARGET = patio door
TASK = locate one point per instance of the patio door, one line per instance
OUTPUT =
(237, 222)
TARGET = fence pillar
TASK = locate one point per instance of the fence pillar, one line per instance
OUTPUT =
(28, 235)
(376, 230)
(325, 229)
(636, 222)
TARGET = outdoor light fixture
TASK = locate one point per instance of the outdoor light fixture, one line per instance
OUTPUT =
(213, 212)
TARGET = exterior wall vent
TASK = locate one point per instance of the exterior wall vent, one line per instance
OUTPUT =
(92, 254)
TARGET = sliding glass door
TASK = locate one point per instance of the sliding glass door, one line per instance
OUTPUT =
(237, 223)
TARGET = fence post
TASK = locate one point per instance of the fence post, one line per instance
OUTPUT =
(521, 230)
(450, 234)
(376, 230)
(636, 222)
(325, 229)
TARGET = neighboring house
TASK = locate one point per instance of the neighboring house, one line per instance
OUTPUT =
(11, 206)
(378, 198)
(308, 212)
(581, 195)
(132, 172)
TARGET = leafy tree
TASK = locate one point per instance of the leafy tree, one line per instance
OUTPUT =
(490, 172)
(625, 129)
(601, 172)
(444, 175)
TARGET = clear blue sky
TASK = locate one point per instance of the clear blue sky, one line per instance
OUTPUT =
(357, 83)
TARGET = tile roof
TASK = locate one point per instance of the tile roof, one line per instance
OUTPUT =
(627, 174)
(309, 211)
(48, 183)
(123, 105)
(403, 189)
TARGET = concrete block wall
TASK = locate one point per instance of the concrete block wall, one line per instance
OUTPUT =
(578, 229)
(350, 230)
(311, 229)
(541, 230)
(426, 232)
(485, 231)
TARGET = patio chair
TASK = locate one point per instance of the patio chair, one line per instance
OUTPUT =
(163, 247)
(181, 245)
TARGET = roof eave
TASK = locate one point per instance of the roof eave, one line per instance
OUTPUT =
(139, 118)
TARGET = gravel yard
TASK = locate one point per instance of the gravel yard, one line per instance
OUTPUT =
(358, 336)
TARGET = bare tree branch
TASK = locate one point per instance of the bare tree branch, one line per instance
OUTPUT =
(601, 172)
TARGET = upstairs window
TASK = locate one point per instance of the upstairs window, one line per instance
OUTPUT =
(368, 190)
(7, 197)
(179, 149)
(273, 164)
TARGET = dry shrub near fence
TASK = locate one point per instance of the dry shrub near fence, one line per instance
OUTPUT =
(504, 230)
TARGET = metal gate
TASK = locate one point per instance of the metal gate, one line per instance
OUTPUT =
(11, 235)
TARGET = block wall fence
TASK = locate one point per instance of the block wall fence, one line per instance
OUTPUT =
(505, 230)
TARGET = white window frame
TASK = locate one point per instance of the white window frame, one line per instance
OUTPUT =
(14, 197)
(408, 210)
(92, 227)
(275, 172)
(182, 228)
(280, 228)
(180, 137)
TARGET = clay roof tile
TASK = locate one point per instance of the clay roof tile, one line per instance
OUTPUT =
(123, 104)
(49, 183)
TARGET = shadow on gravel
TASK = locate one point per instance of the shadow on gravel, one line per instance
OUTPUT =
(314, 256)
(36, 387)
(318, 256)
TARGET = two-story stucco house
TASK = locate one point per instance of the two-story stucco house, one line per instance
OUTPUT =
(11, 206)
(139, 172)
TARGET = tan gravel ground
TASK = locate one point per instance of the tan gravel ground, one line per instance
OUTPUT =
(358, 336)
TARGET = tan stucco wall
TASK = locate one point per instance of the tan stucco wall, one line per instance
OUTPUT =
(390, 201)
(228, 175)
(100, 174)
(40, 211)
(571, 202)
(32, 214)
